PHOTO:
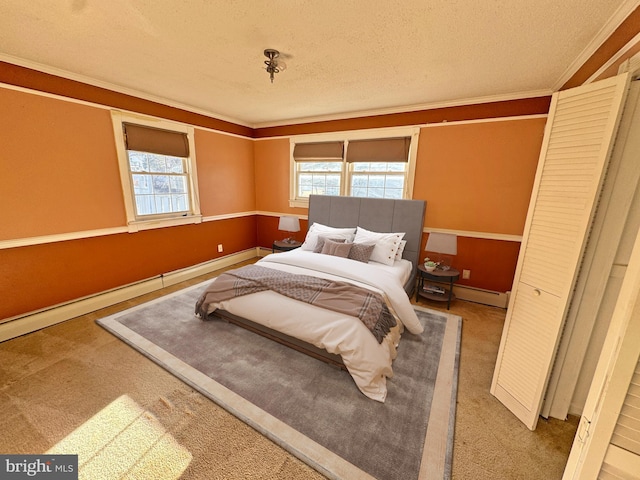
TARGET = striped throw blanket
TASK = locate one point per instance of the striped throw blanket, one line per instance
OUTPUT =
(342, 297)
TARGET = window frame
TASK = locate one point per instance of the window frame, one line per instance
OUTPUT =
(144, 222)
(345, 177)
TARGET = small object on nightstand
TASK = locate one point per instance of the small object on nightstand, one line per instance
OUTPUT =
(429, 265)
(434, 289)
(284, 246)
(436, 292)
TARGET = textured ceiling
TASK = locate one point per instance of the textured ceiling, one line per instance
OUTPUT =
(343, 57)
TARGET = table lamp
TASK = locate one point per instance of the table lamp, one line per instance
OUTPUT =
(445, 245)
(289, 224)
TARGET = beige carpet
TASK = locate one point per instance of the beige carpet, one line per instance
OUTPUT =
(55, 381)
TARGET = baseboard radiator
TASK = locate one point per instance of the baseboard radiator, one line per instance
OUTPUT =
(32, 321)
(480, 295)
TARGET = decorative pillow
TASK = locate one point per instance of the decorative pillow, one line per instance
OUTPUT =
(321, 240)
(336, 249)
(361, 252)
(386, 244)
(403, 243)
(317, 229)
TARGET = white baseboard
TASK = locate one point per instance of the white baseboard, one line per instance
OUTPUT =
(263, 252)
(479, 295)
(188, 273)
(30, 322)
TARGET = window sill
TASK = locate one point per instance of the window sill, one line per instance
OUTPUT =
(301, 203)
(138, 225)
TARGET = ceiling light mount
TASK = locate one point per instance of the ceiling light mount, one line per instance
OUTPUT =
(274, 64)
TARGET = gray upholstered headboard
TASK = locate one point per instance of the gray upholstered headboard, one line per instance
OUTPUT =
(377, 215)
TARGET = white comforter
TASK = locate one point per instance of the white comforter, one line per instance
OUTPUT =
(368, 362)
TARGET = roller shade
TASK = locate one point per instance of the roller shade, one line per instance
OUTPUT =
(330, 151)
(379, 150)
(155, 140)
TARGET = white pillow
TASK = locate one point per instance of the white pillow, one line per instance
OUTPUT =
(386, 244)
(403, 243)
(317, 229)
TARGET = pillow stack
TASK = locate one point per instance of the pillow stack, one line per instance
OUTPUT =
(355, 243)
(337, 249)
(318, 230)
(386, 245)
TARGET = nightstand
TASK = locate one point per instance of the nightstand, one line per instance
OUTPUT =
(433, 290)
(281, 246)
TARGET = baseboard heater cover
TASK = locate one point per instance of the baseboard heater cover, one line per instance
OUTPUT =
(36, 320)
(480, 295)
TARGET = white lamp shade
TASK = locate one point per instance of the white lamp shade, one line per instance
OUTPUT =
(446, 243)
(289, 224)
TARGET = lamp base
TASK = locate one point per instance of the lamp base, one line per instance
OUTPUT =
(289, 240)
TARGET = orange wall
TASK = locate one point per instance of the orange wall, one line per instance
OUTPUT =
(43, 275)
(60, 174)
(272, 176)
(225, 173)
(478, 176)
(475, 177)
(58, 167)
(469, 184)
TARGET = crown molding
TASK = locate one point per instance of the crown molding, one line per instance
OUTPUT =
(627, 7)
(58, 72)
(408, 108)
(321, 118)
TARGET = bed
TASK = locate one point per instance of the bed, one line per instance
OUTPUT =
(333, 335)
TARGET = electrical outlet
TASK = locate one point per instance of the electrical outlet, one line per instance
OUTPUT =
(220, 248)
(466, 274)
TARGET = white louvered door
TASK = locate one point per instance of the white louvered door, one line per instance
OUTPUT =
(576, 148)
(607, 445)
(626, 434)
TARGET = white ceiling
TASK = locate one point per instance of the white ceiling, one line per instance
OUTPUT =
(344, 57)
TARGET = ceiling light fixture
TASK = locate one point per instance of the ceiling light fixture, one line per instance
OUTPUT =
(274, 64)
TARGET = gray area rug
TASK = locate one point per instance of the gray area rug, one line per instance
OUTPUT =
(311, 409)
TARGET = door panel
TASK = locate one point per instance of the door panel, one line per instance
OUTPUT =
(578, 141)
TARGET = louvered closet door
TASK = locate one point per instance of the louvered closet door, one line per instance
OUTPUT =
(623, 454)
(607, 445)
(578, 140)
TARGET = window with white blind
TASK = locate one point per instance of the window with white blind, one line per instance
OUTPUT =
(374, 164)
(157, 170)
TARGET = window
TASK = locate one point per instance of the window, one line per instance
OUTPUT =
(356, 166)
(319, 168)
(157, 169)
(320, 178)
(378, 167)
(378, 179)
(160, 183)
